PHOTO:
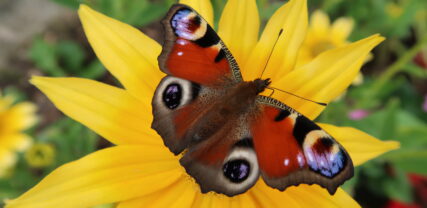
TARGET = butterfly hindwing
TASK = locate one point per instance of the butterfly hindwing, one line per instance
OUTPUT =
(226, 162)
(291, 149)
(193, 51)
(177, 105)
(206, 121)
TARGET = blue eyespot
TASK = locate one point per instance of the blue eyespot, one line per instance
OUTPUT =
(236, 170)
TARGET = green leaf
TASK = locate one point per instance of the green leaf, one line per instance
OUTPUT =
(74, 4)
(44, 57)
(398, 187)
(13, 91)
(152, 12)
(415, 70)
(71, 55)
(93, 71)
(389, 124)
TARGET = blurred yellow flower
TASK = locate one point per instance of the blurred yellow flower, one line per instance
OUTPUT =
(40, 155)
(140, 171)
(14, 119)
(394, 10)
(323, 36)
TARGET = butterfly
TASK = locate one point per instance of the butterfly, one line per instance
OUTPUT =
(228, 133)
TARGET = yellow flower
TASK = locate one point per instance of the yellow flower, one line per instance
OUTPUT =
(140, 171)
(394, 10)
(323, 36)
(40, 155)
(13, 120)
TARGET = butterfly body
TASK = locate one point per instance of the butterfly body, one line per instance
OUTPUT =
(231, 134)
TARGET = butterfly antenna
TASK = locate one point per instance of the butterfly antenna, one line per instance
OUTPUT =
(319, 103)
(271, 52)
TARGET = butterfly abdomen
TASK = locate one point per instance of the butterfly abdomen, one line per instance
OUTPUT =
(236, 102)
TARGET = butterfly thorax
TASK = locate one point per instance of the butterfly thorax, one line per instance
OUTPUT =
(260, 84)
(235, 102)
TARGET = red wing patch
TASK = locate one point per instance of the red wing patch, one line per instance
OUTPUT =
(277, 149)
(193, 50)
(291, 149)
(188, 60)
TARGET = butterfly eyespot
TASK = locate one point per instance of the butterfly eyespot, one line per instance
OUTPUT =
(237, 171)
(172, 95)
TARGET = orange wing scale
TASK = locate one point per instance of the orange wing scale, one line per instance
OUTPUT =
(189, 61)
(278, 151)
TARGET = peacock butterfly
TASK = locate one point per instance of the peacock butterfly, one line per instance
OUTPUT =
(232, 134)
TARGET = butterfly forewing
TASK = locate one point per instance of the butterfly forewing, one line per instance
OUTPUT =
(201, 69)
(193, 50)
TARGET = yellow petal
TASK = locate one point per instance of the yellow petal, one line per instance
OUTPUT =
(15, 141)
(106, 176)
(5, 102)
(319, 23)
(324, 78)
(19, 117)
(110, 111)
(300, 196)
(292, 18)
(7, 159)
(202, 200)
(360, 145)
(219, 200)
(239, 27)
(315, 196)
(266, 196)
(203, 7)
(244, 201)
(179, 194)
(342, 28)
(127, 53)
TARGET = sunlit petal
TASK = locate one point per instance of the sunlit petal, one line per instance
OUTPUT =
(319, 197)
(239, 28)
(326, 77)
(106, 176)
(265, 196)
(319, 23)
(126, 52)
(179, 194)
(342, 28)
(19, 117)
(110, 111)
(15, 142)
(292, 18)
(301, 196)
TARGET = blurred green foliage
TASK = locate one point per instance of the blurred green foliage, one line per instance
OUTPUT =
(64, 58)
(134, 12)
